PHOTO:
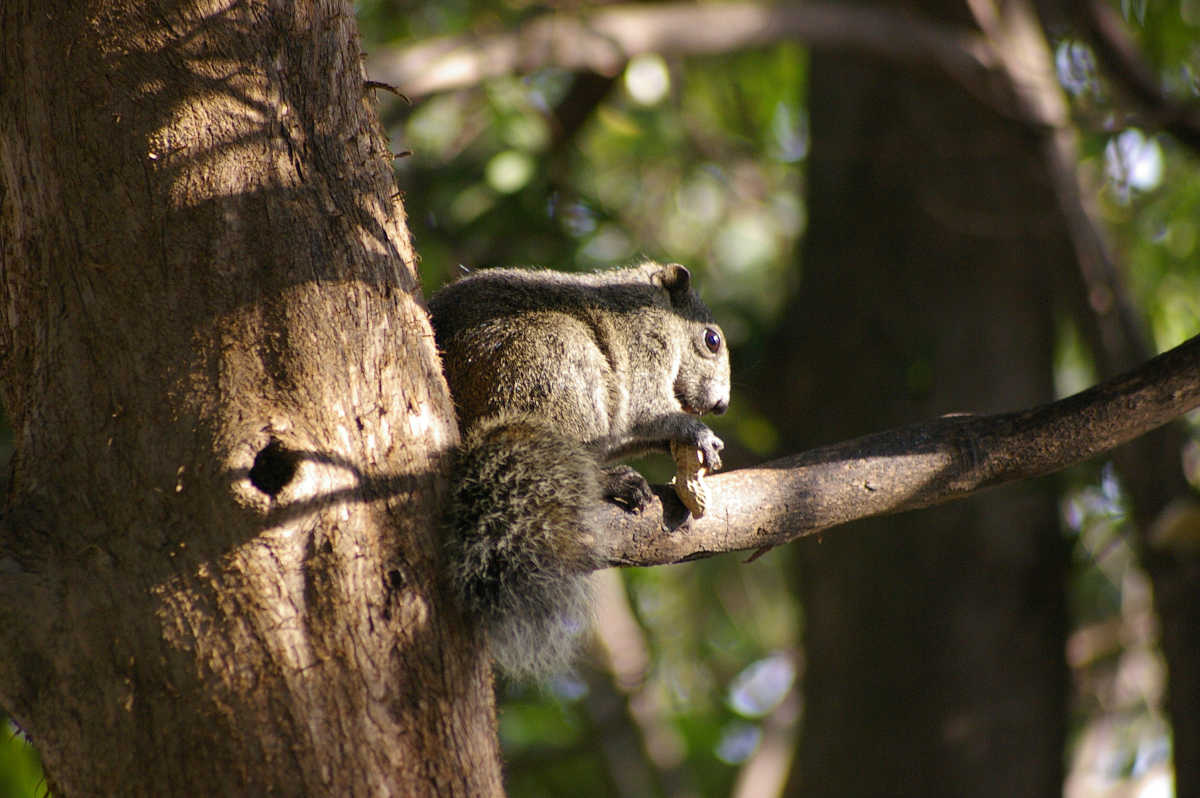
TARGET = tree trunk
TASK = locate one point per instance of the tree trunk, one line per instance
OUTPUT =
(218, 561)
(934, 640)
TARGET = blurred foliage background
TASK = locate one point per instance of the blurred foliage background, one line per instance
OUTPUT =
(695, 684)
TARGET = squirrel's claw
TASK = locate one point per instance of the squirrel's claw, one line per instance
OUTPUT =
(625, 486)
(710, 447)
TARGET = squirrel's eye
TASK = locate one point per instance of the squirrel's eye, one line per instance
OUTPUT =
(712, 339)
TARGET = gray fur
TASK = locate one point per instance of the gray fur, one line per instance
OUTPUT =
(554, 376)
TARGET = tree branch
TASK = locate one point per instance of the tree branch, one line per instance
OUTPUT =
(910, 467)
(604, 40)
(1025, 59)
(1129, 70)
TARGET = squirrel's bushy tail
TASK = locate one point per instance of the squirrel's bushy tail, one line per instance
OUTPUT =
(522, 540)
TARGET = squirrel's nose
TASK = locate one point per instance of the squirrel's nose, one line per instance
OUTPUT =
(720, 407)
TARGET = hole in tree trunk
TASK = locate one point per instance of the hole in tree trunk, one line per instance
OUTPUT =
(274, 467)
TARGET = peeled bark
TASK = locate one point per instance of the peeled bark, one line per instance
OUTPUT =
(218, 559)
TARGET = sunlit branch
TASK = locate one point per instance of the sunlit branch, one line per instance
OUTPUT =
(604, 40)
(909, 467)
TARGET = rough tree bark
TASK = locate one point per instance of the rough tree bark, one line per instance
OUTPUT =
(217, 561)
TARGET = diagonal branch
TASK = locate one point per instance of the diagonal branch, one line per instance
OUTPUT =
(602, 41)
(1130, 71)
(909, 467)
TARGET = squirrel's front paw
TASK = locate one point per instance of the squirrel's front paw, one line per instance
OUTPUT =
(710, 447)
(628, 488)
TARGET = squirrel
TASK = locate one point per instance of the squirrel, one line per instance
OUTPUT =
(554, 377)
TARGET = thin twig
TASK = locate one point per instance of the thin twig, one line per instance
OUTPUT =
(1128, 70)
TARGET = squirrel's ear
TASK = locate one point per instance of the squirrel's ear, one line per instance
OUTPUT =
(674, 277)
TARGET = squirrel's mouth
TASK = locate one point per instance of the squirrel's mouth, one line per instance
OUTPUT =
(717, 407)
(691, 409)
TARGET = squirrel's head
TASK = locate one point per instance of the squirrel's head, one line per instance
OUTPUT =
(702, 379)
